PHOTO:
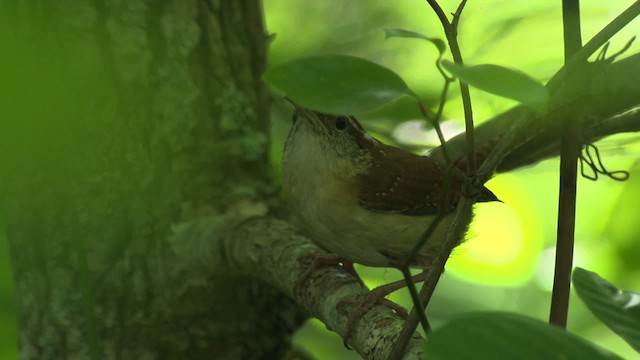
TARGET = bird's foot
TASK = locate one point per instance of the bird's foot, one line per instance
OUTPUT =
(320, 260)
(363, 304)
(377, 296)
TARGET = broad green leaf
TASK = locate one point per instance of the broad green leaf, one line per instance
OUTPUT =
(504, 82)
(393, 32)
(619, 310)
(496, 335)
(337, 84)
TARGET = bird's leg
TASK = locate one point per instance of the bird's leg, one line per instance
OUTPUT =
(377, 296)
(323, 260)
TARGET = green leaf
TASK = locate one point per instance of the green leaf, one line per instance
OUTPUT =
(337, 84)
(504, 82)
(619, 310)
(497, 335)
(393, 32)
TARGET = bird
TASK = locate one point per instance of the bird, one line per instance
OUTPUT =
(365, 201)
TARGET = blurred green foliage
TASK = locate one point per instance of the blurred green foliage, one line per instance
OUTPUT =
(40, 99)
(507, 262)
(8, 317)
(618, 309)
(500, 335)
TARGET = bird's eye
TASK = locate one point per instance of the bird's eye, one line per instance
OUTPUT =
(341, 122)
(294, 117)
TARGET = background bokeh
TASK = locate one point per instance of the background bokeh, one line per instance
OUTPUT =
(8, 319)
(507, 262)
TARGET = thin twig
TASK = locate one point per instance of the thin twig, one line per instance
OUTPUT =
(405, 266)
(439, 12)
(435, 122)
(570, 150)
(451, 32)
(457, 14)
(436, 269)
(410, 326)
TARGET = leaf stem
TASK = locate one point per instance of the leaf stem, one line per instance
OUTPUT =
(451, 32)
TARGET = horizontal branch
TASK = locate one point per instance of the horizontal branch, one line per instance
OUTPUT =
(628, 121)
(270, 249)
(611, 91)
(547, 144)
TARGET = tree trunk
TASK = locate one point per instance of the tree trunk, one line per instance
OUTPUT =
(126, 120)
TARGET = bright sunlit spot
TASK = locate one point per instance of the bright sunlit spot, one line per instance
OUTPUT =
(414, 132)
(501, 245)
(500, 240)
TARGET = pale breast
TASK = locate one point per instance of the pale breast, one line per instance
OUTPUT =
(334, 219)
(322, 195)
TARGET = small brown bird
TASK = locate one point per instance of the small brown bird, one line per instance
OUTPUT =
(363, 200)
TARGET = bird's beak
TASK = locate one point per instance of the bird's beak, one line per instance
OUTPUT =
(314, 118)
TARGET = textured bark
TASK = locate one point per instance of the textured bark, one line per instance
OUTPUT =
(141, 115)
(272, 249)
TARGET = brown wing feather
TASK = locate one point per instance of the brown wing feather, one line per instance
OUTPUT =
(407, 189)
